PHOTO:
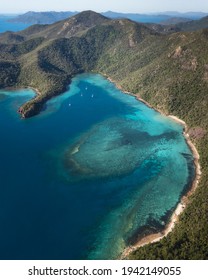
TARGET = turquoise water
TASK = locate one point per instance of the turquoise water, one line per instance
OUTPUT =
(87, 176)
(5, 25)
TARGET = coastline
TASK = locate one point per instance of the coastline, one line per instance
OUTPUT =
(152, 238)
(36, 91)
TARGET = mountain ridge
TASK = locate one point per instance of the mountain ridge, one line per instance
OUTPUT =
(50, 17)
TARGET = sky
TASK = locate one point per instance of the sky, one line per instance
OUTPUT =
(133, 6)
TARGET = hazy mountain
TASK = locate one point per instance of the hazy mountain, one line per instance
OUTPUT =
(51, 17)
(42, 17)
(190, 15)
(174, 20)
(137, 17)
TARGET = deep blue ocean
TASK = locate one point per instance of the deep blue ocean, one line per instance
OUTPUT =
(5, 25)
(88, 175)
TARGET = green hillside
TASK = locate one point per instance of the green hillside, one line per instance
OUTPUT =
(170, 71)
(179, 24)
(193, 24)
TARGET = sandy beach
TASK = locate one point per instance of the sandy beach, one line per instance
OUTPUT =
(152, 238)
(37, 92)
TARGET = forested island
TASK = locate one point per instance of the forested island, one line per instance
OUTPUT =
(167, 67)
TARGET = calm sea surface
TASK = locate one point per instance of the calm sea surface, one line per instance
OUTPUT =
(5, 25)
(89, 174)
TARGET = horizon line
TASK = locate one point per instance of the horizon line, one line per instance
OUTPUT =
(140, 13)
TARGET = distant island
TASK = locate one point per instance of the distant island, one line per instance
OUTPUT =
(51, 17)
(166, 65)
(42, 17)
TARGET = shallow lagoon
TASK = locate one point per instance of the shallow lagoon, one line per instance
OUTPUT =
(88, 175)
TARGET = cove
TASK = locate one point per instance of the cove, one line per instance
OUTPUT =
(93, 172)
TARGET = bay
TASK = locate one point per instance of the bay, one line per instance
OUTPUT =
(87, 176)
(5, 25)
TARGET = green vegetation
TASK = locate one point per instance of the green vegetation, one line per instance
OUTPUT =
(193, 25)
(169, 71)
(9, 73)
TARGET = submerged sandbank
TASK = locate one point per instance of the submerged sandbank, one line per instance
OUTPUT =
(155, 237)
